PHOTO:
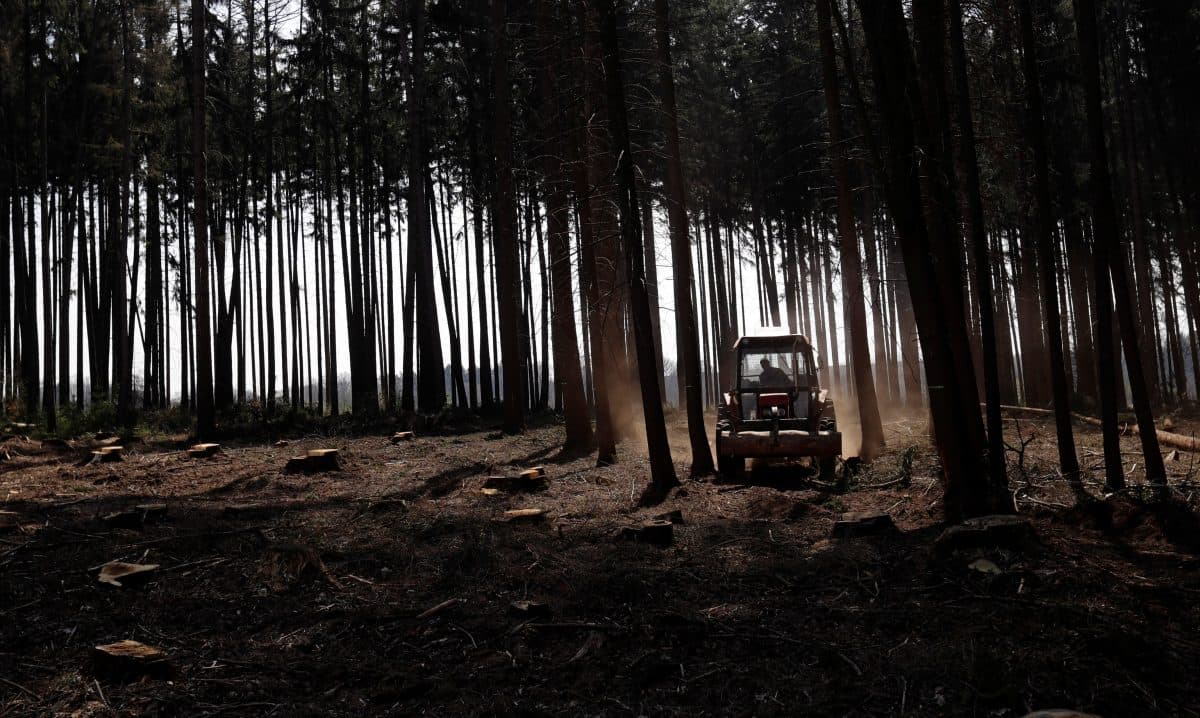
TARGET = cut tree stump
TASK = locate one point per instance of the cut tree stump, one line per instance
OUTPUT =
(315, 461)
(525, 481)
(675, 516)
(130, 659)
(657, 532)
(204, 451)
(402, 436)
(108, 454)
(998, 531)
(323, 460)
(126, 575)
(863, 523)
(524, 515)
(534, 473)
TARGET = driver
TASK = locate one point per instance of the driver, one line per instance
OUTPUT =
(773, 376)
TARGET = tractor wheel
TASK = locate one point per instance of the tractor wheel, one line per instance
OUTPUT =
(828, 422)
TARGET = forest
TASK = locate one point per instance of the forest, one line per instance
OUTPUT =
(601, 357)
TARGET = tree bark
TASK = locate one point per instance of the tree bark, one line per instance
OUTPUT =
(662, 468)
(688, 363)
(508, 281)
(1043, 240)
(1110, 262)
(853, 303)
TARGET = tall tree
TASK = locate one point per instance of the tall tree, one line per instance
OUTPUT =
(662, 468)
(205, 417)
(508, 280)
(688, 361)
(976, 226)
(1044, 241)
(1111, 257)
(854, 306)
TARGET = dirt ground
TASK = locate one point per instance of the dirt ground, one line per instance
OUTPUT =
(386, 588)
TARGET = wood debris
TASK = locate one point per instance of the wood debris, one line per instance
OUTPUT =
(117, 573)
(402, 436)
(431, 612)
(525, 515)
(130, 659)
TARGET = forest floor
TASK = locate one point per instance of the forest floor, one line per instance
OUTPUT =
(387, 587)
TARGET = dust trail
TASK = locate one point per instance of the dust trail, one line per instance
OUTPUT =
(848, 423)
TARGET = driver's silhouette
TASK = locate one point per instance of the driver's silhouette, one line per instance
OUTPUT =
(773, 377)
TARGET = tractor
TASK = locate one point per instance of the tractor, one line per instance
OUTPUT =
(776, 409)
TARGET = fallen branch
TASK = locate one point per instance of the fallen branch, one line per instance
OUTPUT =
(1166, 438)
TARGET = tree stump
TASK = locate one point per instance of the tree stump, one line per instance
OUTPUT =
(129, 659)
(999, 531)
(400, 436)
(675, 516)
(862, 523)
(657, 532)
(323, 460)
(315, 461)
(525, 481)
(108, 454)
(204, 451)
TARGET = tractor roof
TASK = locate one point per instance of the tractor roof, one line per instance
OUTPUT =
(778, 341)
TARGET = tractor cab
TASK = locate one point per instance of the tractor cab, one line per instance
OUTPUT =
(777, 408)
(775, 378)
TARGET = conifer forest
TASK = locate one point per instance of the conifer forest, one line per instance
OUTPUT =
(599, 357)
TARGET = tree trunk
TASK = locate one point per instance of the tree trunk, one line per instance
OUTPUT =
(205, 419)
(688, 361)
(1043, 240)
(508, 281)
(853, 303)
(662, 469)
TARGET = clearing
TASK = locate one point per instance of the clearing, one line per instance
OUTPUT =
(398, 585)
